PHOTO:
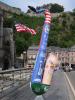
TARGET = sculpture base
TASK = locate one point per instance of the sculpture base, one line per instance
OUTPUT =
(39, 88)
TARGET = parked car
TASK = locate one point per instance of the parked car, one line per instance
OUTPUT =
(67, 68)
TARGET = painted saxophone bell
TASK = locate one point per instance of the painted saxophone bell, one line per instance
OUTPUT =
(51, 63)
(37, 74)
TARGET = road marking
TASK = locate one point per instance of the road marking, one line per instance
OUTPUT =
(39, 97)
(72, 88)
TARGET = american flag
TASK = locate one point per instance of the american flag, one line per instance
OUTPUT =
(23, 28)
(47, 17)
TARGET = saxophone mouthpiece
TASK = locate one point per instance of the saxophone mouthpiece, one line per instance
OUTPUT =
(36, 10)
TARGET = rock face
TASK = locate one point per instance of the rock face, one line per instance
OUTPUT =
(10, 9)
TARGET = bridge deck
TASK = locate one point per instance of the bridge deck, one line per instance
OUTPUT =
(59, 90)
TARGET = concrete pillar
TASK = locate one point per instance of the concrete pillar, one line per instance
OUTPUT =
(12, 48)
(9, 52)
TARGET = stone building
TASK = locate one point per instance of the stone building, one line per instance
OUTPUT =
(66, 55)
(31, 55)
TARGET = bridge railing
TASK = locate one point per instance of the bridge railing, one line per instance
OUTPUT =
(13, 78)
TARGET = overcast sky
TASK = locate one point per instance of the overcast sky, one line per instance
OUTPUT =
(69, 5)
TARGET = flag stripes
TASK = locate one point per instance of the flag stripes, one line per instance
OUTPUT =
(23, 28)
(47, 17)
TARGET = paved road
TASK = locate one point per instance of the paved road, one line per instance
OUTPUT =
(59, 90)
(71, 76)
(71, 81)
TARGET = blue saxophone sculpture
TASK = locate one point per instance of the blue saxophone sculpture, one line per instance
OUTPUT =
(37, 73)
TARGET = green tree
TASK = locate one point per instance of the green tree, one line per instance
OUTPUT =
(73, 12)
(22, 43)
(61, 31)
(56, 8)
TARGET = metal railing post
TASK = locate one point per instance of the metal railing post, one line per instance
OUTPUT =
(2, 84)
(20, 74)
(13, 78)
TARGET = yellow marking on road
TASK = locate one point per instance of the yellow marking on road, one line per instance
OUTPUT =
(70, 84)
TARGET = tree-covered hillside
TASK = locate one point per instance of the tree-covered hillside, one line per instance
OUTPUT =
(53, 8)
(62, 30)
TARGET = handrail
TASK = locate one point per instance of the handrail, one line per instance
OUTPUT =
(12, 70)
(12, 77)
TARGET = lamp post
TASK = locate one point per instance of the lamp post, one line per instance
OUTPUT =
(1, 29)
(1, 38)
